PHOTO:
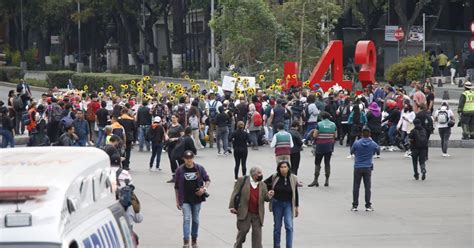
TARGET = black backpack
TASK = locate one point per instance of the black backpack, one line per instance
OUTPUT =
(420, 138)
(125, 194)
(18, 104)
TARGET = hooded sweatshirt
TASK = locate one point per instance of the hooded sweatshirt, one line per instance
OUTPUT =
(364, 149)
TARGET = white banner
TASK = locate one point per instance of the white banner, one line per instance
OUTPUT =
(390, 33)
(416, 33)
(228, 83)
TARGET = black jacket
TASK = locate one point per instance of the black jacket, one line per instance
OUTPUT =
(156, 134)
(239, 139)
(128, 124)
(297, 143)
(222, 120)
(185, 143)
(143, 116)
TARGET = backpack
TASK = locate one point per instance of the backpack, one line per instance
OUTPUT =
(90, 114)
(54, 113)
(213, 111)
(18, 104)
(429, 124)
(345, 113)
(125, 194)
(421, 138)
(67, 120)
(26, 118)
(257, 119)
(443, 117)
(194, 122)
(181, 112)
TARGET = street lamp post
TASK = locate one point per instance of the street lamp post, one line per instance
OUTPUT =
(79, 65)
(424, 44)
(23, 64)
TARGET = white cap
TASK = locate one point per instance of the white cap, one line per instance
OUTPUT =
(124, 175)
(157, 119)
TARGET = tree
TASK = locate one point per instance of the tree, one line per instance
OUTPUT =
(406, 22)
(367, 14)
(245, 29)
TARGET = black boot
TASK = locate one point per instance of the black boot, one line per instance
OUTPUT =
(315, 182)
(326, 184)
(171, 180)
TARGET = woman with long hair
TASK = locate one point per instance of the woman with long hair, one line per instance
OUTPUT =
(285, 202)
(405, 125)
(357, 120)
(175, 131)
(194, 122)
(374, 123)
(240, 139)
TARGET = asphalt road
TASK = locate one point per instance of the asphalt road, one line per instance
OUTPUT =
(437, 212)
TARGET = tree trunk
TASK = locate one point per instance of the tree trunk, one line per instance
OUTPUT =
(204, 43)
(178, 32)
(169, 59)
(128, 32)
(406, 22)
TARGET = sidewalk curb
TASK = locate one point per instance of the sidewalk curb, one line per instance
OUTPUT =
(7, 84)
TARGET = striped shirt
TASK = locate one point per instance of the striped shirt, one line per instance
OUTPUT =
(282, 142)
(325, 139)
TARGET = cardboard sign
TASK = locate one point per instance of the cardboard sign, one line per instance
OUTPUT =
(228, 83)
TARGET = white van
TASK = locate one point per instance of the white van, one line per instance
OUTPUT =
(59, 197)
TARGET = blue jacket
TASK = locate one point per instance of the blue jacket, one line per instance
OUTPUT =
(364, 149)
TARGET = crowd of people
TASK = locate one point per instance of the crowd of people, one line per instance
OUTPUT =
(367, 121)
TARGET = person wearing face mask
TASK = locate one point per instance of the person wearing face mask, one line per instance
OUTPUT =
(248, 203)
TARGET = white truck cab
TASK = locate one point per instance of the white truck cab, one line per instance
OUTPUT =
(59, 197)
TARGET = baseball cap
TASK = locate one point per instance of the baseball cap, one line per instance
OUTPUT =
(157, 119)
(188, 154)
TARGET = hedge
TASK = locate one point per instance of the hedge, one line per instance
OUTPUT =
(59, 78)
(408, 69)
(10, 73)
(97, 80)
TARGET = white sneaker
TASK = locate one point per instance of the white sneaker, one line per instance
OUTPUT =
(446, 155)
(376, 156)
(407, 154)
(390, 149)
(350, 156)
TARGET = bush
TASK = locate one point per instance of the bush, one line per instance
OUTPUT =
(10, 73)
(59, 78)
(97, 80)
(410, 68)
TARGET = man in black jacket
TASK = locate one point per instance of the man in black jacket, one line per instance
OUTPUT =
(128, 124)
(185, 143)
(419, 148)
(295, 155)
(143, 119)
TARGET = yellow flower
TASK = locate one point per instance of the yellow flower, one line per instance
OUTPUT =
(235, 74)
(100, 94)
(86, 87)
(251, 91)
(238, 92)
(261, 77)
(151, 90)
(172, 98)
(110, 88)
(147, 96)
(186, 77)
(140, 90)
(279, 88)
(146, 78)
(125, 86)
(202, 97)
(140, 84)
(170, 85)
(246, 84)
(127, 95)
(195, 87)
(272, 87)
(192, 81)
(133, 82)
(278, 80)
(238, 79)
(108, 92)
(177, 87)
(306, 83)
(213, 85)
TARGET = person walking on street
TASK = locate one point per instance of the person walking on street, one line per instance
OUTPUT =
(240, 139)
(445, 121)
(466, 111)
(101, 118)
(175, 131)
(157, 137)
(222, 123)
(282, 142)
(248, 203)
(7, 129)
(374, 123)
(194, 121)
(419, 148)
(190, 187)
(212, 109)
(357, 120)
(295, 156)
(363, 149)
(254, 125)
(285, 202)
(130, 129)
(324, 135)
(82, 129)
(453, 68)
(311, 116)
(143, 119)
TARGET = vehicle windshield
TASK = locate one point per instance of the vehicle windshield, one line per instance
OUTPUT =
(29, 245)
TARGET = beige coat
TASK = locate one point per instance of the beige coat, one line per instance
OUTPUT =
(245, 196)
(293, 183)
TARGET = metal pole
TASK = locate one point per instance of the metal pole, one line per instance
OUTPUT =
(301, 40)
(79, 30)
(388, 14)
(398, 51)
(424, 39)
(213, 45)
(21, 23)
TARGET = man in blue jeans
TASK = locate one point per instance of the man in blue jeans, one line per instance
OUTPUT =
(191, 182)
(143, 119)
(363, 149)
(101, 119)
